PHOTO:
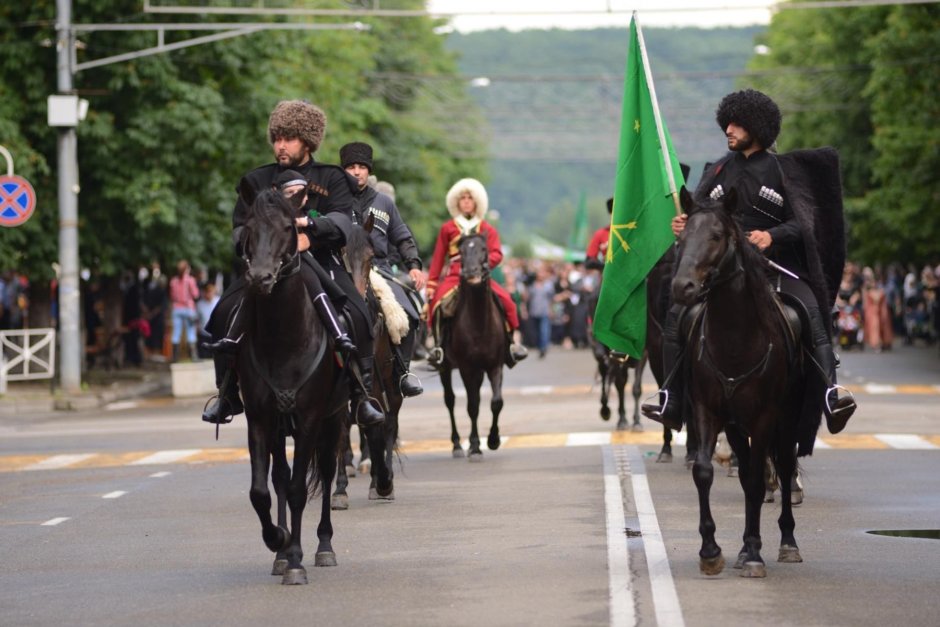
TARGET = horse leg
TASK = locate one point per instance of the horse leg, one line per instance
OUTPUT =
(752, 458)
(692, 443)
(325, 465)
(340, 498)
(787, 469)
(280, 477)
(472, 382)
(295, 573)
(665, 454)
(637, 393)
(496, 406)
(275, 537)
(365, 455)
(604, 371)
(381, 486)
(348, 461)
(711, 561)
(620, 381)
(449, 398)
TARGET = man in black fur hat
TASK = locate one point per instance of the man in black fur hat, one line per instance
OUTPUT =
(389, 234)
(790, 207)
(295, 130)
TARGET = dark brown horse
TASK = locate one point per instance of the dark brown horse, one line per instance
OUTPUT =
(474, 342)
(744, 375)
(290, 384)
(377, 443)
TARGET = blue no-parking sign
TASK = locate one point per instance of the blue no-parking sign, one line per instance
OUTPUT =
(17, 200)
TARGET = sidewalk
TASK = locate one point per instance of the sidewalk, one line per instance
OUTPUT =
(99, 388)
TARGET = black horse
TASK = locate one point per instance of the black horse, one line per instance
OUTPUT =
(474, 342)
(377, 443)
(291, 386)
(614, 370)
(745, 375)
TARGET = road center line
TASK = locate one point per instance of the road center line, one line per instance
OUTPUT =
(53, 522)
(665, 598)
(622, 606)
(114, 495)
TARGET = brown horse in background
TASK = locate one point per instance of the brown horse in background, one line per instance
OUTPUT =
(474, 343)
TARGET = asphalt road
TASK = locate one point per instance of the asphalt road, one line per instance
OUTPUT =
(148, 521)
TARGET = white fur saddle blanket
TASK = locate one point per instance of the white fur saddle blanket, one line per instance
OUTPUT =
(396, 320)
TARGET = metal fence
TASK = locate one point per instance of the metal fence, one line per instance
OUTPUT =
(26, 354)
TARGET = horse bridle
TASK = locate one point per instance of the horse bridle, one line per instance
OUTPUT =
(719, 274)
(485, 274)
(284, 269)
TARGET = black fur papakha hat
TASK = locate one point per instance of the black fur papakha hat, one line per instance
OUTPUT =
(356, 152)
(297, 119)
(752, 110)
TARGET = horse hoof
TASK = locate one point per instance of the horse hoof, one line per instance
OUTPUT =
(769, 496)
(664, 458)
(789, 554)
(605, 413)
(796, 498)
(739, 563)
(493, 442)
(339, 502)
(458, 453)
(278, 540)
(279, 567)
(622, 425)
(475, 456)
(376, 495)
(637, 427)
(325, 558)
(350, 471)
(712, 565)
(295, 577)
(753, 570)
(365, 467)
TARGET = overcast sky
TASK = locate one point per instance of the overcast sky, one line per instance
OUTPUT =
(608, 13)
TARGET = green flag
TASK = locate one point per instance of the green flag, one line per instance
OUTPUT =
(579, 232)
(643, 207)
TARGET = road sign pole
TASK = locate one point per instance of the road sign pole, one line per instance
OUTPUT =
(70, 359)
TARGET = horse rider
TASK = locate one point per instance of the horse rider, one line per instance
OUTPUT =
(389, 232)
(597, 247)
(777, 196)
(467, 203)
(295, 130)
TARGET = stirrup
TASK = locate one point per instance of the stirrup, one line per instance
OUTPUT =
(837, 416)
(436, 356)
(518, 352)
(417, 386)
(655, 411)
(222, 417)
(225, 346)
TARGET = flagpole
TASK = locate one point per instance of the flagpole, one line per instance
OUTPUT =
(658, 118)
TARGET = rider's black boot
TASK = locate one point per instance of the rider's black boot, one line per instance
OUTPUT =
(408, 383)
(838, 409)
(228, 403)
(668, 408)
(341, 341)
(366, 415)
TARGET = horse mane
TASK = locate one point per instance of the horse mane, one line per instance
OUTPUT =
(271, 207)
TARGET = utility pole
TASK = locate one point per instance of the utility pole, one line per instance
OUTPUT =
(70, 358)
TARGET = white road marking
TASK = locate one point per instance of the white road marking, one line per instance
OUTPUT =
(905, 441)
(119, 405)
(820, 444)
(114, 495)
(161, 474)
(53, 522)
(665, 598)
(879, 388)
(590, 438)
(622, 604)
(59, 461)
(165, 457)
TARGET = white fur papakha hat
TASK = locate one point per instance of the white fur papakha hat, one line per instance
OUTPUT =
(476, 190)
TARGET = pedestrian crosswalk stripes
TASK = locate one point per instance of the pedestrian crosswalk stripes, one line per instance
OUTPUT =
(32, 463)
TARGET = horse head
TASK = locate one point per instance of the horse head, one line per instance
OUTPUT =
(474, 259)
(707, 246)
(359, 253)
(269, 239)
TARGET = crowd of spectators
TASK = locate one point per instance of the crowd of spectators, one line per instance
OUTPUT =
(877, 304)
